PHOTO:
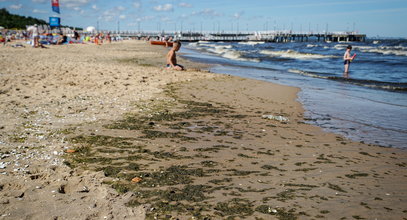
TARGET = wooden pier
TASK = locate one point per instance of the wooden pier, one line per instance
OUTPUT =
(328, 37)
(281, 36)
(275, 37)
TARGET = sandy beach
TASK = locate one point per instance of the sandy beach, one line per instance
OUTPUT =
(105, 132)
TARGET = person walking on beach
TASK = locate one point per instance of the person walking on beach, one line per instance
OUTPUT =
(347, 59)
(76, 35)
(172, 57)
(96, 38)
(108, 38)
(3, 36)
(34, 34)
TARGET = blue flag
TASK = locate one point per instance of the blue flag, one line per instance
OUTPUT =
(54, 21)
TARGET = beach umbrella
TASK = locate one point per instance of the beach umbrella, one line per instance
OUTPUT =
(90, 29)
(1, 28)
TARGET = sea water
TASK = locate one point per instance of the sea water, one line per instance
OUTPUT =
(370, 105)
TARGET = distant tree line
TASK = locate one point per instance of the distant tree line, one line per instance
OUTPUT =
(12, 21)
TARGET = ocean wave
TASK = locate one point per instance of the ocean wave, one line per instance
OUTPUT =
(312, 45)
(193, 44)
(311, 74)
(295, 55)
(252, 43)
(385, 50)
(340, 46)
(398, 47)
(392, 86)
(363, 47)
(219, 49)
(227, 52)
(388, 52)
(213, 45)
(224, 46)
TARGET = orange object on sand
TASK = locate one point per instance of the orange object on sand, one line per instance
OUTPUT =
(163, 43)
(70, 151)
(136, 179)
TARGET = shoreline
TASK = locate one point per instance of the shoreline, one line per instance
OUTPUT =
(318, 95)
(243, 164)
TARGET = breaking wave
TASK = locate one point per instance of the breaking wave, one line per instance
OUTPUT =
(225, 51)
(291, 54)
(385, 50)
(252, 43)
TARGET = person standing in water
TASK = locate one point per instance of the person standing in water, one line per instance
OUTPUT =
(347, 59)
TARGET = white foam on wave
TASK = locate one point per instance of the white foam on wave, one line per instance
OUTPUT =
(295, 55)
(214, 45)
(363, 47)
(399, 47)
(219, 49)
(312, 45)
(304, 73)
(193, 44)
(224, 46)
(205, 45)
(340, 46)
(252, 43)
(388, 52)
(295, 71)
(226, 51)
(385, 50)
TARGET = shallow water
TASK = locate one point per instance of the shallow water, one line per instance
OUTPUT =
(370, 106)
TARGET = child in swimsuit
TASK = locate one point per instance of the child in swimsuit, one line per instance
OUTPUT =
(347, 59)
(172, 57)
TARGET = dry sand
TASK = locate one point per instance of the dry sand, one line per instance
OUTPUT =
(46, 92)
(196, 141)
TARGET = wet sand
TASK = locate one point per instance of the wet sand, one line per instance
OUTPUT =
(148, 142)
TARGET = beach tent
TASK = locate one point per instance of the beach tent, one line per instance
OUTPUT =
(91, 29)
(30, 28)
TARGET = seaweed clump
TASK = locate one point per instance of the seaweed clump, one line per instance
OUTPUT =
(280, 213)
(235, 207)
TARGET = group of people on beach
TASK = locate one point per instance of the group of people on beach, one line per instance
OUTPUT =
(7, 35)
(39, 40)
(37, 36)
(99, 38)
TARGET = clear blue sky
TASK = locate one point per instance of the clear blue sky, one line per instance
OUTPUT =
(372, 17)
